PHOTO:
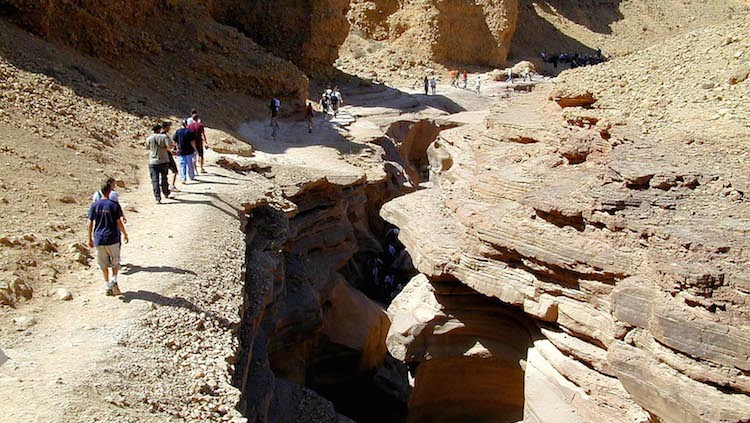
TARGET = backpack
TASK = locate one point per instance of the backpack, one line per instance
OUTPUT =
(275, 104)
(334, 99)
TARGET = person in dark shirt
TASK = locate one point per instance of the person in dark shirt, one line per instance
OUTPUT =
(309, 114)
(105, 226)
(185, 140)
(201, 142)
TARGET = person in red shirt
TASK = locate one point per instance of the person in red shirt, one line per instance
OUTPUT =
(196, 127)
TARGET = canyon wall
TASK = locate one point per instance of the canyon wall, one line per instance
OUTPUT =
(303, 324)
(403, 35)
(620, 231)
(308, 33)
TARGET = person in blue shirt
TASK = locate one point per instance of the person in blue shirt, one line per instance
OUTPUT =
(186, 149)
(105, 226)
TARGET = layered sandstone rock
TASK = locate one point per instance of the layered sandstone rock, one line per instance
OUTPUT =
(467, 349)
(303, 323)
(625, 242)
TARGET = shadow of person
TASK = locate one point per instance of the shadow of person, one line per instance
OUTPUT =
(161, 300)
(134, 268)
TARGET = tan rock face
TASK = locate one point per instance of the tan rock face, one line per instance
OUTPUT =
(625, 241)
(467, 350)
(422, 32)
(302, 321)
(308, 33)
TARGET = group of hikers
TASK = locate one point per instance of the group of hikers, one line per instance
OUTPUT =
(574, 59)
(330, 101)
(106, 220)
(458, 80)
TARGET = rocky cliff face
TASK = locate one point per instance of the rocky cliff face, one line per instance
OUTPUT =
(421, 32)
(624, 241)
(308, 33)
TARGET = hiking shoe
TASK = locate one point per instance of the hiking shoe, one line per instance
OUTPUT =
(203, 170)
(158, 201)
(108, 292)
(115, 289)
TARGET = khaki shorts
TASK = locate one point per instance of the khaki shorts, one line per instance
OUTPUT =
(108, 256)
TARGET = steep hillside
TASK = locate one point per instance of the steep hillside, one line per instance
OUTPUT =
(387, 37)
(163, 42)
(390, 40)
(308, 33)
(68, 122)
(618, 27)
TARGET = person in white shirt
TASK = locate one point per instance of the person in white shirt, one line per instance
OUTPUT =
(112, 195)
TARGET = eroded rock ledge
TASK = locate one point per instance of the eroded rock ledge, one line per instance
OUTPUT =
(303, 324)
(625, 256)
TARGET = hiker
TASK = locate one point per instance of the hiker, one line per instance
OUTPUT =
(324, 102)
(337, 94)
(186, 141)
(190, 118)
(158, 161)
(433, 85)
(478, 83)
(105, 225)
(466, 79)
(454, 78)
(274, 106)
(336, 100)
(197, 128)
(426, 85)
(309, 114)
(112, 195)
(509, 79)
(172, 149)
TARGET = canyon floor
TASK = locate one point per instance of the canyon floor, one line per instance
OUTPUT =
(164, 350)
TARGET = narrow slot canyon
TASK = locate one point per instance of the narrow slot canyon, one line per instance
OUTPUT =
(467, 281)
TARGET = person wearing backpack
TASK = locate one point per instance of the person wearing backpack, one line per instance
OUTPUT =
(335, 100)
(274, 106)
(324, 103)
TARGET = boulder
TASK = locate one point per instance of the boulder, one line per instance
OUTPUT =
(24, 322)
(357, 322)
(63, 294)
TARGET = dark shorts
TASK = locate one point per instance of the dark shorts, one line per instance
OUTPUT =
(199, 147)
(274, 112)
(172, 164)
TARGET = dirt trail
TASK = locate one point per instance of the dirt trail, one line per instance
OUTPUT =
(164, 350)
(74, 342)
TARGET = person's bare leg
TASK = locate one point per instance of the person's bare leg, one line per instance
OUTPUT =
(202, 169)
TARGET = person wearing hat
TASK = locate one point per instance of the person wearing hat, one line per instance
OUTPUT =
(158, 144)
